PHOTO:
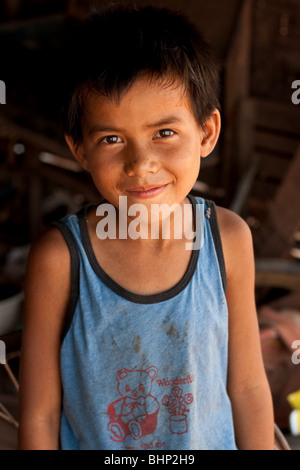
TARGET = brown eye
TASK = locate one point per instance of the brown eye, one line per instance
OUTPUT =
(111, 139)
(165, 133)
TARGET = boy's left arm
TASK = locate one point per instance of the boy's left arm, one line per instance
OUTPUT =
(248, 386)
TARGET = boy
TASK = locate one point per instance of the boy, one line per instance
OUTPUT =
(137, 342)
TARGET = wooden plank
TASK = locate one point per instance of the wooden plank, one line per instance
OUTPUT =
(263, 190)
(277, 116)
(272, 166)
(238, 61)
(75, 183)
(236, 88)
(277, 273)
(244, 187)
(257, 134)
(275, 143)
(244, 136)
(283, 218)
(285, 210)
(8, 129)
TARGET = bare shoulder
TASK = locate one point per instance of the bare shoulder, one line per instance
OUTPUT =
(47, 291)
(50, 251)
(48, 277)
(231, 225)
(236, 238)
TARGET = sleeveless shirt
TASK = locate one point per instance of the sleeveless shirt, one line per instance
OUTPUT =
(146, 371)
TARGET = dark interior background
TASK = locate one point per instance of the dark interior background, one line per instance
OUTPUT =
(254, 170)
(257, 44)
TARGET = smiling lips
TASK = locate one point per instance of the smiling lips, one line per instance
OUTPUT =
(145, 192)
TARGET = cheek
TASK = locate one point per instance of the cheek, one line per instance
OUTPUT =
(194, 158)
(187, 163)
(188, 152)
(186, 169)
(103, 171)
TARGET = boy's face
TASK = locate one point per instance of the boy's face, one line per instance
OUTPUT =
(147, 146)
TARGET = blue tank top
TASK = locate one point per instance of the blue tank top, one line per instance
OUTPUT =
(146, 371)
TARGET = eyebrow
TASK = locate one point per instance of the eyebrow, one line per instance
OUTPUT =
(172, 119)
(104, 128)
(165, 121)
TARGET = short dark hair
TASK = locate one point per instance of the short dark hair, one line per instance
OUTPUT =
(116, 46)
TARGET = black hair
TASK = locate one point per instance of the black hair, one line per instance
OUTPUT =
(116, 46)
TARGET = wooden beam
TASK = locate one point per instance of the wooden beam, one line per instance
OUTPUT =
(283, 214)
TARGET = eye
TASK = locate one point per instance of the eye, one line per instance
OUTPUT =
(111, 139)
(141, 388)
(164, 133)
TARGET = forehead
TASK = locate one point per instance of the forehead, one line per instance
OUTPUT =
(146, 99)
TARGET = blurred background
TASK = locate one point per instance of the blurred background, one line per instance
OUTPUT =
(254, 170)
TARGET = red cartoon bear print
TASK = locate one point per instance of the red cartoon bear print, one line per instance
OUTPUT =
(135, 413)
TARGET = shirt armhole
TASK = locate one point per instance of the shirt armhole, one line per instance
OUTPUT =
(217, 241)
(74, 294)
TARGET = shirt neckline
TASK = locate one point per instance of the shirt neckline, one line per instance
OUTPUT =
(117, 288)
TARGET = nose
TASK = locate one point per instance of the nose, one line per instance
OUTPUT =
(139, 161)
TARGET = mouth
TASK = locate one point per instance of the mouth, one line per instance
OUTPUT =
(145, 192)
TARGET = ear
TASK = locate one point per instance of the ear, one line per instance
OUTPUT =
(211, 133)
(78, 152)
(122, 374)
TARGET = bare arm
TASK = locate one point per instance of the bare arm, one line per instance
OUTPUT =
(46, 298)
(248, 387)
